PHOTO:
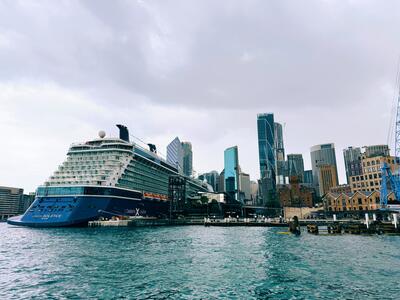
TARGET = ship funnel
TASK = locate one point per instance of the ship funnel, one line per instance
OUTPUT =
(152, 148)
(123, 132)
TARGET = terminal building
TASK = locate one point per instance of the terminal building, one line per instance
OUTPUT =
(13, 202)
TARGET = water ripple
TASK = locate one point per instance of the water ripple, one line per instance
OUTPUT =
(194, 262)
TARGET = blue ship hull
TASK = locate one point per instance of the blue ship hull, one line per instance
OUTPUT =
(70, 210)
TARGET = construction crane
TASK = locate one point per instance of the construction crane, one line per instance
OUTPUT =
(391, 180)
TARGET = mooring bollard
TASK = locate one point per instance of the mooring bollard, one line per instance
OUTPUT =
(395, 220)
(367, 220)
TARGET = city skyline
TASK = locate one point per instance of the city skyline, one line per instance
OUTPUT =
(162, 79)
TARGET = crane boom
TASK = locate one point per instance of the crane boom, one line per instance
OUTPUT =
(389, 177)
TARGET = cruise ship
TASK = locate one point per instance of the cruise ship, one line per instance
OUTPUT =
(106, 177)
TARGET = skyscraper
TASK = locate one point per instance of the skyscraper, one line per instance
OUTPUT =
(231, 172)
(327, 176)
(212, 179)
(187, 158)
(254, 191)
(221, 182)
(175, 154)
(323, 155)
(295, 165)
(279, 154)
(245, 185)
(266, 151)
(352, 162)
(308, 178)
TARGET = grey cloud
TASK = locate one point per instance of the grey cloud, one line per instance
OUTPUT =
(205, 53)
(326, 68)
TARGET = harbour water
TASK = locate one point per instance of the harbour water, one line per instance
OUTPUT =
(194, 262)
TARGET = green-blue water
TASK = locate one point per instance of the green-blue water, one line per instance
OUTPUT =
(194, 262)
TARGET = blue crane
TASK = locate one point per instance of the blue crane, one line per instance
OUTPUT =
(391, 180)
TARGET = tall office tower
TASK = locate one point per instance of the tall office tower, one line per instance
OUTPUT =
(323, 155)
(253, 191)
(245, 185)
(266, 151)
(281, 173)
(327, 178)
(175, 154)
(296, 166)
(308, 178)
(352, 162)
(221, 182)
(232, 172)
(187, 159)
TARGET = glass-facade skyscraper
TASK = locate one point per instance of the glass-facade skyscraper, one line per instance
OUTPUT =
(295, 164)
(175, 154)
(280, 155)
(212, 179)
(187, 158)
(231, 172)
(323, 156)
(266, 151)
(352, 162)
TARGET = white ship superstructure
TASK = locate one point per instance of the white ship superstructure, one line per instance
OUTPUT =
(98, 162)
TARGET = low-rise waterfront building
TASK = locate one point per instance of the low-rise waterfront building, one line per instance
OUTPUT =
(219, 197)
(341, 188)
(295, 194)
(360, 200)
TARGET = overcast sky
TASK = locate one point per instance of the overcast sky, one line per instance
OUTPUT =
(200, 70)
